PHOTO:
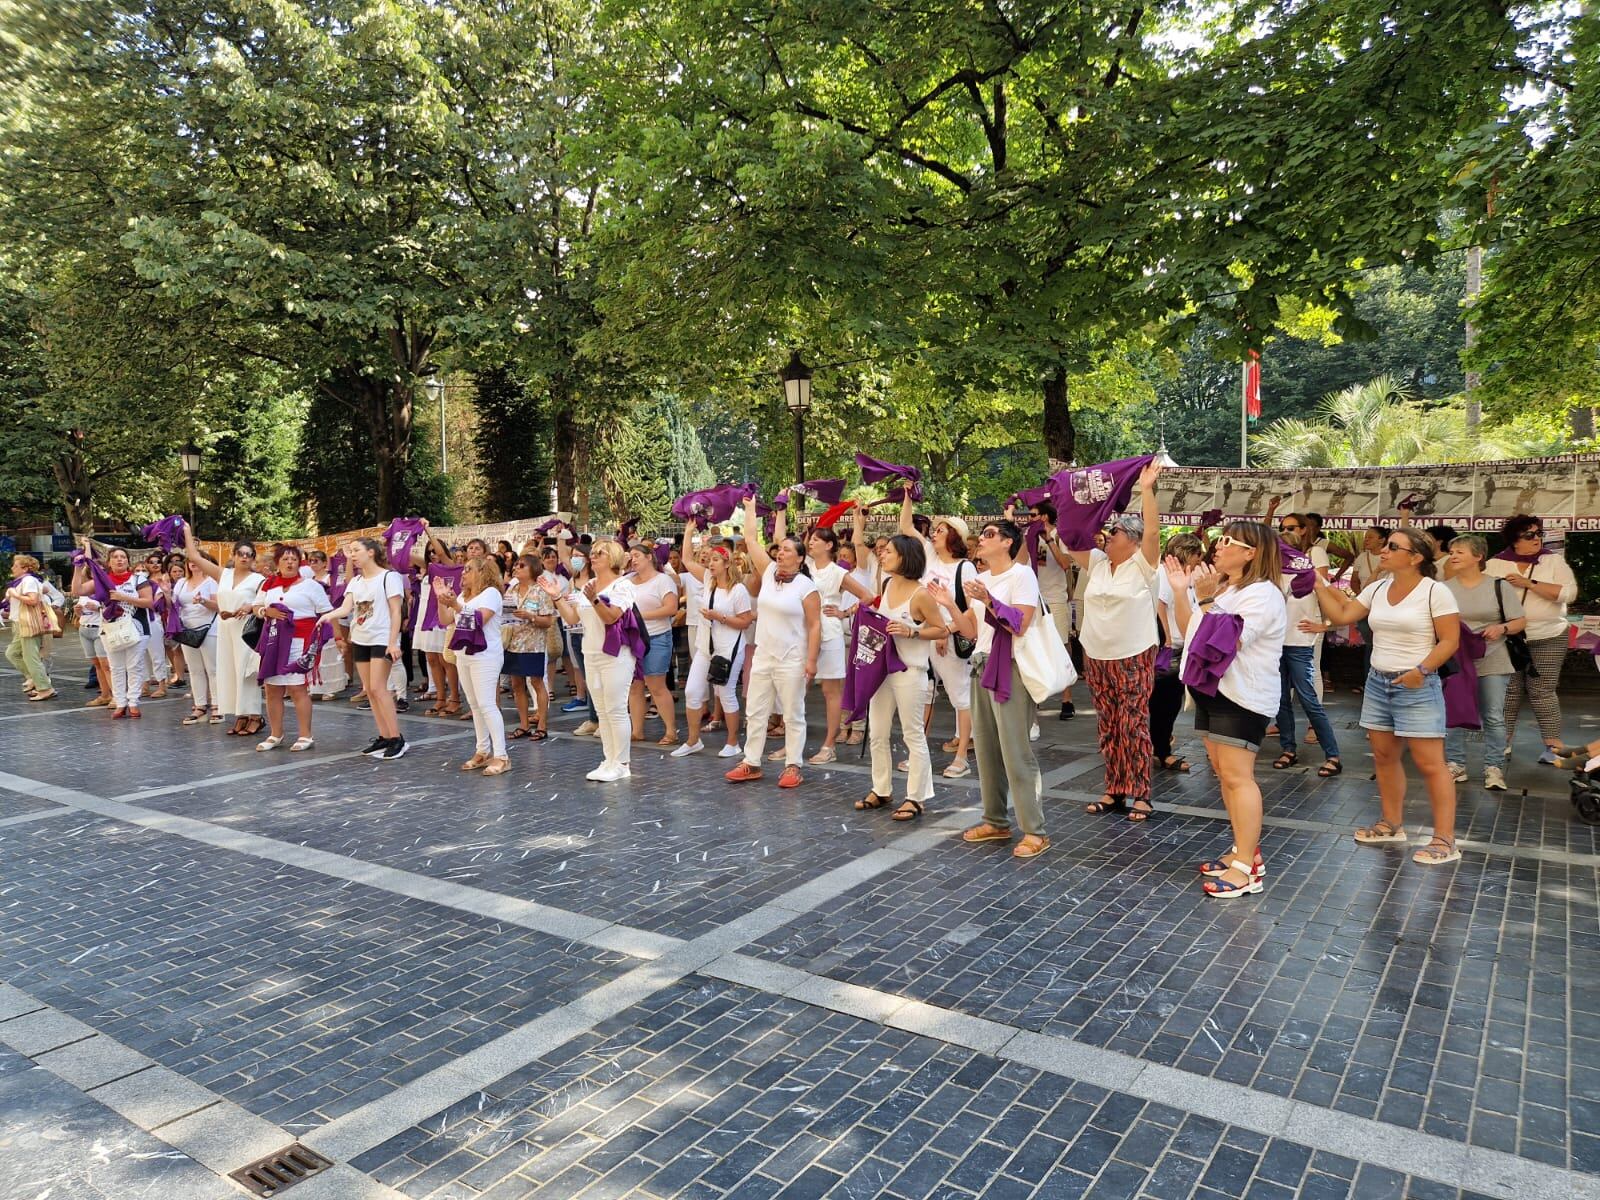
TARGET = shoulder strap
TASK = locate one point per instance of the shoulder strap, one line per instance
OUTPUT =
(1498, 599)
(961, 595)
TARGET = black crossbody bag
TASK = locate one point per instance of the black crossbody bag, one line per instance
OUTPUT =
(1516, 643)
(720, 669)
(961, 644)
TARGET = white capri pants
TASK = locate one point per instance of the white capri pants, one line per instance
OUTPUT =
(955, 676)
(201, 661)
(238, 692)
(774, 681)
(127, 674)
(906, 692)
(697, 688)
(480, 680)
(610, 680)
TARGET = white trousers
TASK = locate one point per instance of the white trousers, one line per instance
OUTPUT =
(480, 680)
(906, 692)
(697, 688)
(774, 682)
(202, 664)
(127, 674)
(155, 648)
(610, 680)
(238, 692)
(955, 674)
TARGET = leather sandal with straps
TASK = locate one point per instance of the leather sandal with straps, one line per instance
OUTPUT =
(1438, 852)
(871, 800)
(1220, 888)
(1031, 846)
(1106, 804)
(1213, 869)
(1380, 833)
(909, 810)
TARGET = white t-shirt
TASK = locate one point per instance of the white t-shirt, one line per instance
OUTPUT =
(1305, 608)
(690, 601)
(714, 637)
(1016, 586)
(1253, 678)
(1164, 596)
(781, 610)
(1119, 607)
(619, 593)
(128, 589)
(1402, 634)
(369, 606)
(653, 593)
(829, 581)
(1052, 576)
(304, 598)
(1367, 568)
(192, 613)
(491, 601)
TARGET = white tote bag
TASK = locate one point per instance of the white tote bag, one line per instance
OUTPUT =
(120, 634)
(1041, 658)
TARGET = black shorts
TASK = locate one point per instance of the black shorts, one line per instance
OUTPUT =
(1228, 723)
(367, 653)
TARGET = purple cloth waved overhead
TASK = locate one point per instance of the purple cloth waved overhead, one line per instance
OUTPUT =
(430, 603)
(662, 552)
(1461, 686)
(826, 492)
(627, 530)
(872, 659)
(875, 470)
(627, 633)
(1298, 566)
(1087, 497)
(1028, 497)
(467, 636)
(168, 532)
(1212, 650)
(1208, 519)
(103, 587)
(402, 534)
(546, 525)
(709, 505)
(1007, 625)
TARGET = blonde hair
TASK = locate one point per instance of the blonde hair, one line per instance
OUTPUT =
(27, 561)
(609, 550)
(479, 575)
(1267, 562)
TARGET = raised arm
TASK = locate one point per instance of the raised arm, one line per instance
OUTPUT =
(1150, 504)
(1337, 607)
(192, 553)
(908, 515)
(760, 560)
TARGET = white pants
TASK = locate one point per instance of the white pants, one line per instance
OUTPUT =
(202, 664)
(610, 680)
(127, 674)
(774, 682)
(397, 677)
(907, 692)
(238, 692)
(955, 675)
(155, 648)
(697, 689)
(480, 680)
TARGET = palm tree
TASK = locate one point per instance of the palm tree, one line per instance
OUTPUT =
(1373, 424)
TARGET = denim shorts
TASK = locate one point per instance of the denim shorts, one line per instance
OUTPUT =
(659, 656)
(1402, 711)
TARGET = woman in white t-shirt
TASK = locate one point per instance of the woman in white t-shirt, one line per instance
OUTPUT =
(196, 597)
(725, 613)
(1245, 583)
(290, 596)
(1118, 634)
(237, 690)
(1002, 709)
(373, 613)
(1548, 585)
(131, 592)
(480, 672)
(1415, 630)
(789, 610)
(833, 584)
(602, 600)
(656, 594)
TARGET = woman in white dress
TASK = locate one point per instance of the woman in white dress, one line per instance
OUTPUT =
(290, 596)
(238, 691)
(598, 604)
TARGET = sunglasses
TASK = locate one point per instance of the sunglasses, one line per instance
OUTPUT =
(1290, 528)
(988, 531)
(1225, 540)
(1530, 535)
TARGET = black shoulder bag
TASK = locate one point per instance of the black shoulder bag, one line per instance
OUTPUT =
(720, 669)
(960, 643)
(1516, 643)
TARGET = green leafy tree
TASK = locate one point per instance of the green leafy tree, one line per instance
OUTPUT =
(513, 443)
(1374, 424)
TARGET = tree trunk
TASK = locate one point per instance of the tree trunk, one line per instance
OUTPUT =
(1581, 418)
(77, 491)
(566, 453)
(1060, 438)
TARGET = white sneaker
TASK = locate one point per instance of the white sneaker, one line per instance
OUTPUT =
(1457, 772)
(601, 774)
(621, 771)
(1033, 734)
(1494, 779)
(688, 748)
(730, 752)
(587, 729)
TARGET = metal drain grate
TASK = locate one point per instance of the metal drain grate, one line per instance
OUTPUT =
(281, 1171)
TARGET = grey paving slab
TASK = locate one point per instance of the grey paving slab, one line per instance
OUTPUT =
(296, 996)
(708, 1089)
(94, 1062)
(57, 1142)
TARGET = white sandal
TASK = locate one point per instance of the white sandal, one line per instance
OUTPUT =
(270, 743)
(304, 743)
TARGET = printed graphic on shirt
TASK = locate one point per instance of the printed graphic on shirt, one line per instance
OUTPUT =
(363, 612)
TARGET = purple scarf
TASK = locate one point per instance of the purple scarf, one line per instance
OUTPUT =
(546, 525)
(873, 658)
(1461, 686)
(1509, 555)
(1031, 496)
(1087, 497)
(403, 533)
(711, 504)
(626, 633)
(275, 647)
(1209, 519)
(468, 636)
(1298, 566)
(1006, 622)
(169, 610)
(826, 492)
(875, 470)
(430, 602)
(168, 532)
(1211, 651)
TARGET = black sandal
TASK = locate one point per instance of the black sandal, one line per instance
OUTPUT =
(1175, 763)
(521, 731)
(1137, 814)
(539, 735)
(901, 813)
(1111, 804)
(1287, 759)
(871, 800)
(1330, 768)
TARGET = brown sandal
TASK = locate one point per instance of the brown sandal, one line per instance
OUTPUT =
(870, 800)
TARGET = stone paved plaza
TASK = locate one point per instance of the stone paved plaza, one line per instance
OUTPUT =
(455, 987)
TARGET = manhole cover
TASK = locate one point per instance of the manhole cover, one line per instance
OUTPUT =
(276, 1173)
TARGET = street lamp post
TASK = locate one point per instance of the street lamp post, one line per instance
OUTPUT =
(796, 378)
(435, 387)
(189, 456)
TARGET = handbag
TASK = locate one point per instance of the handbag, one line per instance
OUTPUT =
(251, 633)
(720, 669)
(194, 638)
(959, 642)
(120, 634)
(1041, 658)
(1516, 643)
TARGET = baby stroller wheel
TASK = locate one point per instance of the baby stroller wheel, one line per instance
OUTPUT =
(1586, 797)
